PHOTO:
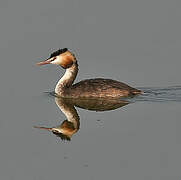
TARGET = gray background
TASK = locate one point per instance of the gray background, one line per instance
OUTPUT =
(134, 41)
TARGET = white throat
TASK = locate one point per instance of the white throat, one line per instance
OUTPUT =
(69, 111)
(67, 79)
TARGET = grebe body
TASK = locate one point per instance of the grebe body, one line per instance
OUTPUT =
(100, 88)
(89, 88)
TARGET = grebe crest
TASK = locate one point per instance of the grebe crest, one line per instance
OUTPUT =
(58, 52)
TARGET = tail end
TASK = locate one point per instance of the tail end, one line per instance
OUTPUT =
(136, 92)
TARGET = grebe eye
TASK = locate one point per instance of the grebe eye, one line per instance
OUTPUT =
(55, 131)
(53, 59)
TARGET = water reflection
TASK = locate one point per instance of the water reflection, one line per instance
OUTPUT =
(71, 125)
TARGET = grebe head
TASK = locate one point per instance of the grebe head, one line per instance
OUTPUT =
(62, 57)
(64, 131)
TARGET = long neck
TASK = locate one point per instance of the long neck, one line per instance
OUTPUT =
(69, 111)
(67, 80)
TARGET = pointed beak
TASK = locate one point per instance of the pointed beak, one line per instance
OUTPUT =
(48, 61)
(44, 128)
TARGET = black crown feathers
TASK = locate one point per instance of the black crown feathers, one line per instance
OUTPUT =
(58, 52)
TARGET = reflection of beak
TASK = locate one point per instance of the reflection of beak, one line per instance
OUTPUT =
(48, 129)
(48, 61)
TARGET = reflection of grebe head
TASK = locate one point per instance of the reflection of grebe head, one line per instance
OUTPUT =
(62, 57)
(64, 131)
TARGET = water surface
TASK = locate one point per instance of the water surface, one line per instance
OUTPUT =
(142, 137)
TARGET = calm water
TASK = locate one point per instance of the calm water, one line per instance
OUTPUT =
(140, 140)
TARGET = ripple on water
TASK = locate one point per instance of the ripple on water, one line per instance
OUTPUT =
(159, 94)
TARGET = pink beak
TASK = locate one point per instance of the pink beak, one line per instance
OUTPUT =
(48, 129)
(48, 61)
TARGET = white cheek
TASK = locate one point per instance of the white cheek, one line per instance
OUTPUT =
(58, 130)
(58, 60)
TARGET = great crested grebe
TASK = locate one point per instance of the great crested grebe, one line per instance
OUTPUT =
(89, 88)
